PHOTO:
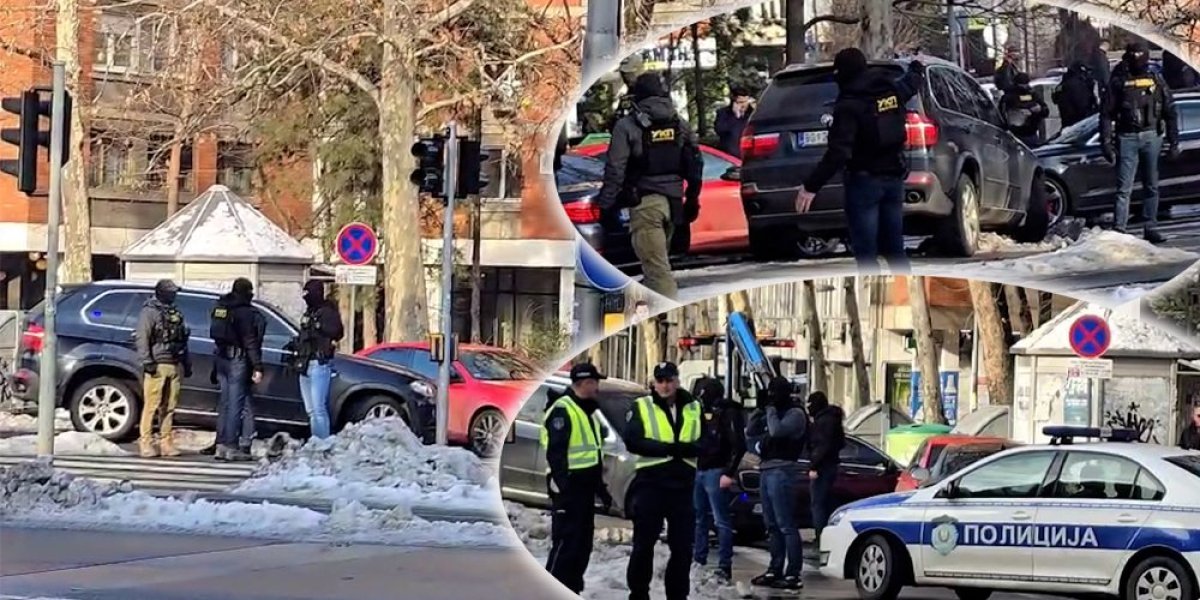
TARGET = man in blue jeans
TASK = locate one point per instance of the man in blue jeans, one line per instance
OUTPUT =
(320, 330)
(777, 434)
(722, 445)
(237, 329)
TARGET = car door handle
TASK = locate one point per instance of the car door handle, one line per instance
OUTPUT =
(1021, 516)
(1126, 518)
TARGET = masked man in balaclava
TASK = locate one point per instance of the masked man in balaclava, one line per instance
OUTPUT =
(237, 328)
(162, 344)
(320, 330)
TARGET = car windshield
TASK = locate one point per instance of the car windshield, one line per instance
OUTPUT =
(1079, 132)
(498, 366)
(1189, 463)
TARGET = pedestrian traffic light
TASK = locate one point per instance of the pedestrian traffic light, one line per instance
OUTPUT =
(429, 176)
(472, 178)
(28, 136)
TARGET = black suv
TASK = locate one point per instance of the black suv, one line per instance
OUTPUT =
(99, 371)
(967, 172)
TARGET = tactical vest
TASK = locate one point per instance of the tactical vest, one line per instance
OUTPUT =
(661, 149)
(657, 427)
(221, 329)
(172, 331)
(583, 449)
(1138, 109)
(890, 121)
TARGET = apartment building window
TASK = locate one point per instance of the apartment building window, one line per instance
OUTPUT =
(111, 162)
(158, 157)
(235, 166)
(131, 44)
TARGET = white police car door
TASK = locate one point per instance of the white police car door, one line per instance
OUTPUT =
(1096, 507)
(970, 525)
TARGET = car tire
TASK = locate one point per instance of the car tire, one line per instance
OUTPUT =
(377, 406)
(877, 573)
(1036, 223)
(1155, 571)
(107, 406)
(488, 421)
(961, 230)
(972, 593)
(1058, 200)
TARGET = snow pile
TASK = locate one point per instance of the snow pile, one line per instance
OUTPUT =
(1114, 296)
(1096, 249)
(34, 493)
(992, 242)
(13, 423)
(68, 443)
(378, 461)
(605, 578)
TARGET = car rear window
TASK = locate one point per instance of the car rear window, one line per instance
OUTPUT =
(1079, 132)
(1189, 463)
(580, 169)
(806, 93)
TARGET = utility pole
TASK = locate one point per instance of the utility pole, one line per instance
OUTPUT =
(796, 31)
(47, 384)
(451, 187)
(602, 36)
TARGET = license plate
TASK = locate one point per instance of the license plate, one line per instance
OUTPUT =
(757, 509)
(813, 138)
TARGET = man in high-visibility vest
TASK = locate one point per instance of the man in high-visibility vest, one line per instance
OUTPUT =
(573, 444)
(663, 430)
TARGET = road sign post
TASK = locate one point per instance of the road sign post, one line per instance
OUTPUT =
(47, 388)
(1090, 337)
(447, 323)
(357, 246)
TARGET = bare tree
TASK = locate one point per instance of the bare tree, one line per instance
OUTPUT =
(818, 374)
(77, 207)
(863, 382)
(927, 353)
(992, 340)
(878, 40)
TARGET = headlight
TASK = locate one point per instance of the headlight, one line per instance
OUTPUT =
(421, 388)
(836, 518)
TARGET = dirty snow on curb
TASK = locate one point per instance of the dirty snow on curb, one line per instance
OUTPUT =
(14, 423)
(1096, 250)
(1114, 296)
(605, 578)
(378, 461)
(34, 493)
(68, 443)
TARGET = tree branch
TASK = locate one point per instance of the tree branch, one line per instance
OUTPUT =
(440, 104)
(450, 13)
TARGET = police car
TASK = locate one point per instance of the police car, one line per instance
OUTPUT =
(1111, 518)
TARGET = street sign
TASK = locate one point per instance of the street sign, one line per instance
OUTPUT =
(1089, 368)
(357, 244)
(356, 274)
(1090, 336)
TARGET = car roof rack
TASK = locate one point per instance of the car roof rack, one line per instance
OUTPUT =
(1064, 435)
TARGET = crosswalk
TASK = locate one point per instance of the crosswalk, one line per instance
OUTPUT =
(190, 473)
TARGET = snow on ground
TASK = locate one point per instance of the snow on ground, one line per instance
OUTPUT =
(378, 461)
(1096, 250)
(605, 579)
(13, 423)
(1114, 296)
(34, 493)
(68, 443)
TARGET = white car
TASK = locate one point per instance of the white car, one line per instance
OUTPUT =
(1111, 518)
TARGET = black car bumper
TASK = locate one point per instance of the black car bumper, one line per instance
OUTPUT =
(24, 384)
(425, 425)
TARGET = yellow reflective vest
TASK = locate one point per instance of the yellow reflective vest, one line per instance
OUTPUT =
(657, 427)
(583, 449)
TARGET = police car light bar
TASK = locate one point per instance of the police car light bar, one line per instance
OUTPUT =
(1065, 434)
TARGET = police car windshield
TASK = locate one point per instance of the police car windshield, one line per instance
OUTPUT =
(497, 366)
(806, 93)
(1189, 463)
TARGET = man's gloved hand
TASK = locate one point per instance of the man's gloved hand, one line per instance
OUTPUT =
(691, 210)
(1106, 150)
(150, 368)
(187, 370)
(917, 67)
(606, 499)
(1173, 150)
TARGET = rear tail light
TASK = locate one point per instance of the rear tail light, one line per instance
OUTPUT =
(758, 146)
(687, 342)
(582, 213)
(922, 132)
(32, 338)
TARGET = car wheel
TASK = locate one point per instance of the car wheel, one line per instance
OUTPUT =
(961, 232)
(972, 593)
(1036, 223)
(107, 407)
(1158, 578)
(487, 433)
(812, 246)
(876, 574)
(1058, 202)
(377, 406)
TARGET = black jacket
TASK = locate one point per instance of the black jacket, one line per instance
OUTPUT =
(858, 139)
(723, 437)
(326, 325)
(673, 474)
(626, 146)
(1115, 114)
(1024, 98)
(249, 327)
(1005, 77)
(729, 130)
(1190, 438)
(1075, 97)
(826, 437)
(558, 431)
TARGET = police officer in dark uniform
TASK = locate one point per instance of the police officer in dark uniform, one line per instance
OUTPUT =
(630, 69)
(868, 136)
(663, 431)
(1024, 110)
(1075, 95)
(237, 328)
(162, 344)
(1139, 109)
(573, 442)
(652, 155)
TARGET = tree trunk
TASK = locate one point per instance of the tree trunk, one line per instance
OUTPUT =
(408, 316)
(993, 348)
(795, 45)
(850, 285)
(879, 34)
(346, 309)
(927, 353)
(370, 326)
(76, 207)
(652, 342)
(818, 377)
(174, 164)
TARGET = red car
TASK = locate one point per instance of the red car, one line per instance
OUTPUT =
(722, 223)
(487, 387)
(943, 455)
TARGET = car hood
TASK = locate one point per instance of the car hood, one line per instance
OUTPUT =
(359, 364)
(884, 500)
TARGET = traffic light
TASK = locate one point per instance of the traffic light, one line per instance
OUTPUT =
(429, 176)
(29, 135)
(472, 178)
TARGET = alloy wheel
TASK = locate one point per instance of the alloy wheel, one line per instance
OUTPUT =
(104, 410)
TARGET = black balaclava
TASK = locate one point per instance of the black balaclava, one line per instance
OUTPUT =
(314, 293)
(649, 85)
(779, 393)
(243, 290)
(1137, 57)
(817, 402)
(1021, 80)
(165, 291)
(712, 391)
(848, 65)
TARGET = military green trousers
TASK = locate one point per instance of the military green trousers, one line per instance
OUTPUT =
(651, 228)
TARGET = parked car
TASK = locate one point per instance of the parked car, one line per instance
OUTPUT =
(1080, 183)
(721, 226)
(967, 172)
(487, 386)
(99, 371)
(943, 455)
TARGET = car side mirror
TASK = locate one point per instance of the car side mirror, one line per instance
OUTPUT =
(732, 174)
(920, 475)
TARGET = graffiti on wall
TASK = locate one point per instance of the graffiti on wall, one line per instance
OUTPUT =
(1143, 404)
(1148, 428)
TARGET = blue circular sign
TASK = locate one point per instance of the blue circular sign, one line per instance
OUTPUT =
(357, 244)
(1090, 336)
(598, 272)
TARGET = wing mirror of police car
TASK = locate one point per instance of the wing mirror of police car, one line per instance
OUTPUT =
(732, 174)
(920, 474)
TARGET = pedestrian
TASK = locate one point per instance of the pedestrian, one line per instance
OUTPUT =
(731, 121)
(778, 431)
(663, 431)
(655, 170)
(573, 443)
(1006, 73)
(237, 329)
(1178, 74)
(868, 137)
(1139, 109)
(1024, 110)
(320, 329)
(825, 444)
(1190, 438)
(629, 70)
(1075, 95)
(722, 445)
(162, 344)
